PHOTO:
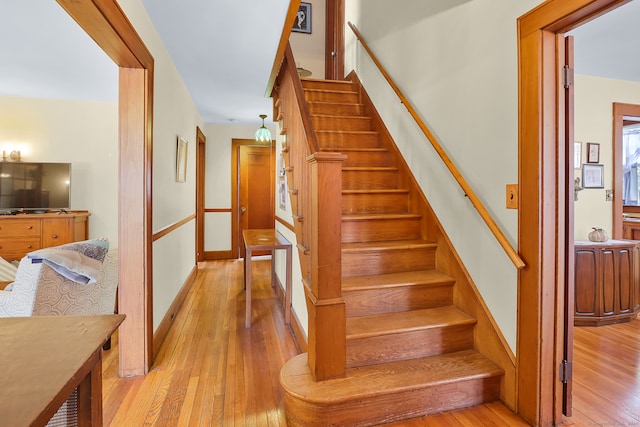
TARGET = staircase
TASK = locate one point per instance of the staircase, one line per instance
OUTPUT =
(409, 350)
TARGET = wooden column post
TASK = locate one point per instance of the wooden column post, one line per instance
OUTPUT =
(327, 310)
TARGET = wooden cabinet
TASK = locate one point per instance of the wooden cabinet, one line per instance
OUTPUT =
(606, 281)
(631, 229)
(23, 233)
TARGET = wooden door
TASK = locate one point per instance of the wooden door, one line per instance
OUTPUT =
(200, 187)
(255, 184)
(334, 43)
(569, 270)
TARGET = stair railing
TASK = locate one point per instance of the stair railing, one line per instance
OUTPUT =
(475, 201)
(314, 179)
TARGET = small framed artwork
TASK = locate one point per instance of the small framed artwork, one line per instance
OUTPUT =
(592, 176)
(181, 160)
(577, 155)
(593, 152)
(283, 194)
(302, 23)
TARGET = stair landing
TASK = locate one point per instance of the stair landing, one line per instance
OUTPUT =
(372, 395)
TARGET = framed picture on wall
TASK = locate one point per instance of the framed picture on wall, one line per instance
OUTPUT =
(593, 152)
(577, 154)
(181, 160)
(592, 176)
(302, 23)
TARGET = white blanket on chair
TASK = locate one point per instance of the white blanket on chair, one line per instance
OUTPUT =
(79, 261)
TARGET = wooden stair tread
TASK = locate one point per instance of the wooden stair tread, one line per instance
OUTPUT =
(378, 216)
(355, 149)
(369, 169)
(312, 80)
(374, 380)
(388, 245)
(341, 132)
(336, 103)
(392, 280)
(380, 190)
(349, 92)
(413, 320)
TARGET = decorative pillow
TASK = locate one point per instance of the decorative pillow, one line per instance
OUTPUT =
(78, 261)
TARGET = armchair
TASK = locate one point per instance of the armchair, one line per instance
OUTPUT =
(39, 290)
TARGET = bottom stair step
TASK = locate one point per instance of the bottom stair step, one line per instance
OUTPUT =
(388, 392)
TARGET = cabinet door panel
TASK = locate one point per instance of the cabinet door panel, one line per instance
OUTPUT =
(623, 290)
(609, 281)
(56, 232)
(586, 282)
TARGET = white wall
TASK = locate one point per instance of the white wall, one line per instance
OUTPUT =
(174, 114)
(83, 133)
(456, 61)
(594, 98)
(308, 49)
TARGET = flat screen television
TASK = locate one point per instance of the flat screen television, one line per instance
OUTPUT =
(35, 187)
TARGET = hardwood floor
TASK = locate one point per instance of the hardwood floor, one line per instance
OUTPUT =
(211, 371)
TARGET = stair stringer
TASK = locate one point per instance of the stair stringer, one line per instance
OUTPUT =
(488, 339)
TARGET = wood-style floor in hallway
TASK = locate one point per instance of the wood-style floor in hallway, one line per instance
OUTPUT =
(211, 371)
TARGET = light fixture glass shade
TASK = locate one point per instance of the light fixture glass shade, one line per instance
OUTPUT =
(262, 134)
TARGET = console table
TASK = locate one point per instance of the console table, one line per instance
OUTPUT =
(607, 284)
(45, 358)
(23, 233)
(266, 240)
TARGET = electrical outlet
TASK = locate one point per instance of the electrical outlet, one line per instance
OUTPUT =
(512, 196)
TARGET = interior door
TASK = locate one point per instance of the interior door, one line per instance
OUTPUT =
(200, 187)
(256, 190)
(569, 270)
(334, 43)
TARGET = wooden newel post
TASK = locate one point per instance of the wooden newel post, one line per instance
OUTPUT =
(327, 311)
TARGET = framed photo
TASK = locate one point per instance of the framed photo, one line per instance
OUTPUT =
(593, 152)
(592, 176)
(577, 155)
(302, 23)
(283, 194)
(181, 160)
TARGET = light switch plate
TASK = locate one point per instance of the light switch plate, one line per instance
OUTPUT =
(512, 196)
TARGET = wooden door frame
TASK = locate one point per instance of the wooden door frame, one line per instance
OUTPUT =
(334, 40)
(540, 327)
(236, 143)
(201, 161)
(619, 111)
(106, 23)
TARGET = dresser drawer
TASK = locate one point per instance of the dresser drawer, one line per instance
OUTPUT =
(19, 228)
(16, 249)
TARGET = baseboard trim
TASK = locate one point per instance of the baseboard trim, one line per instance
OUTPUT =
(296, 329)
(163, 329)
(216, 255)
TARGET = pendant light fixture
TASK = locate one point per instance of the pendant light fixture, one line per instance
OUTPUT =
(262, 134)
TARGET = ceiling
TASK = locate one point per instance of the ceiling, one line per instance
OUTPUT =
(224, 51)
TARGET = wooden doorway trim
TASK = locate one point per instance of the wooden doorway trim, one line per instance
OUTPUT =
(620, 110)
(109, 27)
(334, 40)
(201, 158)
(236, 251)
(542, 185)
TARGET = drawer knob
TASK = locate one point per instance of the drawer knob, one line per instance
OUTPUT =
(29, 246)
(29, 227)
(54, 236)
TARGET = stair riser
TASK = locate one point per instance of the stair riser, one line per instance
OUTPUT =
(385, 408)
(408, 345)
(336, 109)
(337, 123)
(328, 85)
(398, 299)
(375, 203)
(367, 159)
(383, 262)
(370, 179)
(328, 96)
(374, 230)
(339, 140)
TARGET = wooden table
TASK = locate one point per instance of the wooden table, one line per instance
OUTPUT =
(44, 358)
(266, 240)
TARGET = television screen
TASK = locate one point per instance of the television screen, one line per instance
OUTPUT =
(35, 186)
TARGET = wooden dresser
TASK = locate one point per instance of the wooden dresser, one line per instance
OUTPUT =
(631, 228)
(23, 233)
(607, 284)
